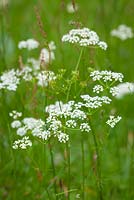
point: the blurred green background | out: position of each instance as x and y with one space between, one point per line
25 174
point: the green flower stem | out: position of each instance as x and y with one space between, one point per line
68 144
76 68
99 178
44 159
78 62
104 85
53 168
83 168
69 168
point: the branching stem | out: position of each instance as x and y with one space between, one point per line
76 69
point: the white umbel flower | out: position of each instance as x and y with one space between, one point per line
44 135
45 77
9 80
31 123
22 44
29 44
112 121
63 137
25 73
71 123
124 89
78 114
16 124
114 91
123 32
21 131
84 127
106 76
55 125
14 114
84 37
95 102
60 109
103 45
22 143
98 88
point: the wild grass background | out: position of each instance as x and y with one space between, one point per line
27 174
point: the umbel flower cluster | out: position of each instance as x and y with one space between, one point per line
106 80
84 37
11 79
123 32
112 121
124 89
22 143
28 44
46 54
63 117
32 70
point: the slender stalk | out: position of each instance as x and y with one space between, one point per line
76 68
69 168
53 168
68 144
78 62
44 159
83 168
99 178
